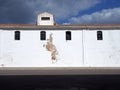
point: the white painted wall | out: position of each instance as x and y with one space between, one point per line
45 22
1 42
102 53
84 50
29 51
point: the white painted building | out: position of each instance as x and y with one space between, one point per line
47 48
45 19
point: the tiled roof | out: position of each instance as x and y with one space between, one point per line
62 25
57 26
17 25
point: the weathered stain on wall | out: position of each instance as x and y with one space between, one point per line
51 48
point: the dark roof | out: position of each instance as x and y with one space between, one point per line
60 27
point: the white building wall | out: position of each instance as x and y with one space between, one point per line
45 22
6 48
29 51
102 53
84 50
1 43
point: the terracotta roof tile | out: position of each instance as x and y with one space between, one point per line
17 25
62 24
58 26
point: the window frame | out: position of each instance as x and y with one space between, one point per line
99 35
45 18
17 35
68 35
42 35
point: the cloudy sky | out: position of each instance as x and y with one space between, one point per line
65 11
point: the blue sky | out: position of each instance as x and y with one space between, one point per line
65 11
104 4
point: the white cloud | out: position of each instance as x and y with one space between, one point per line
62 9
109 16
25 11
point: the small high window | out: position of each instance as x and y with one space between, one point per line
99 35
42 35
17 35
68 35
45 18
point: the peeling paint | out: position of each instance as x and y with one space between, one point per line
51 48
